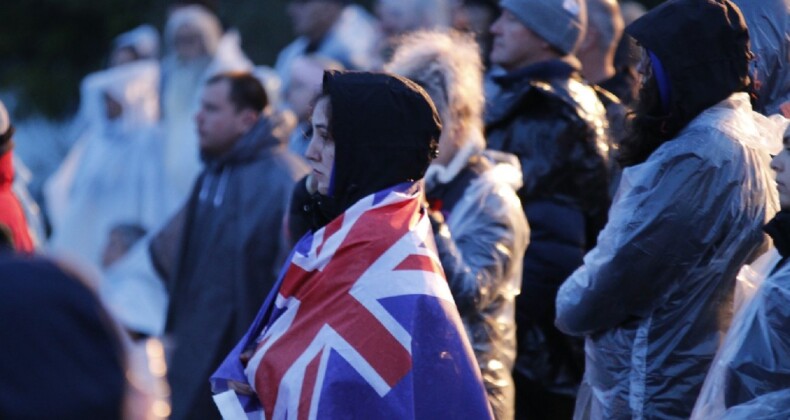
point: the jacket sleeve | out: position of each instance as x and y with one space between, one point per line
477 261
165 246
665 214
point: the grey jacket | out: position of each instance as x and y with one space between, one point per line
219 258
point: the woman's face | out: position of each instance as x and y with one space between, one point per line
781 164
321 151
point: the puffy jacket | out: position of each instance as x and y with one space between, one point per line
652 297
480 247
556 125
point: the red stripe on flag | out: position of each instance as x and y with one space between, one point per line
419 262
308 387
330 230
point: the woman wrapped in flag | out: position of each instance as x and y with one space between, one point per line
362 323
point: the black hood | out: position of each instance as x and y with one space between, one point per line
703 46
386 131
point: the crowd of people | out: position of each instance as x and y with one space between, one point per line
523 209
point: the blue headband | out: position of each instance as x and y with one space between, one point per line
662 80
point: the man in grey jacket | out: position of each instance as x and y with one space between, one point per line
219 255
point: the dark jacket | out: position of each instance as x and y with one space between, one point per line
553 121
228 247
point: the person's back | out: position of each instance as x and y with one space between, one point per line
335 29
653 296
219 255
553 121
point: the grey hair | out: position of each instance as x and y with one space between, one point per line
199 17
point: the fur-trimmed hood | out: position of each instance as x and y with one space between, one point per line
448 67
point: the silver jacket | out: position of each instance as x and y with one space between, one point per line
481 248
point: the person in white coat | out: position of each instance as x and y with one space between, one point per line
114 173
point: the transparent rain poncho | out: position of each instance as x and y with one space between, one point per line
769 32
750 376
114 173
653 296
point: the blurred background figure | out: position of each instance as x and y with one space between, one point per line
400 17
119 241
114 173
335 29
307 72
12 213
625 84
192 36
769 32
601 37
478 223
596 54
476 16
141 43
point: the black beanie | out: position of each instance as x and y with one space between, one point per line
386 131
703 45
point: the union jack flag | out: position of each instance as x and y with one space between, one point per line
361 325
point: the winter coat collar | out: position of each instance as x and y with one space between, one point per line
257 141
473 145
558 68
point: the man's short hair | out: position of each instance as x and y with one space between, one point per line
246 91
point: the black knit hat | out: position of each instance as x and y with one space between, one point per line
385 129
703 46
